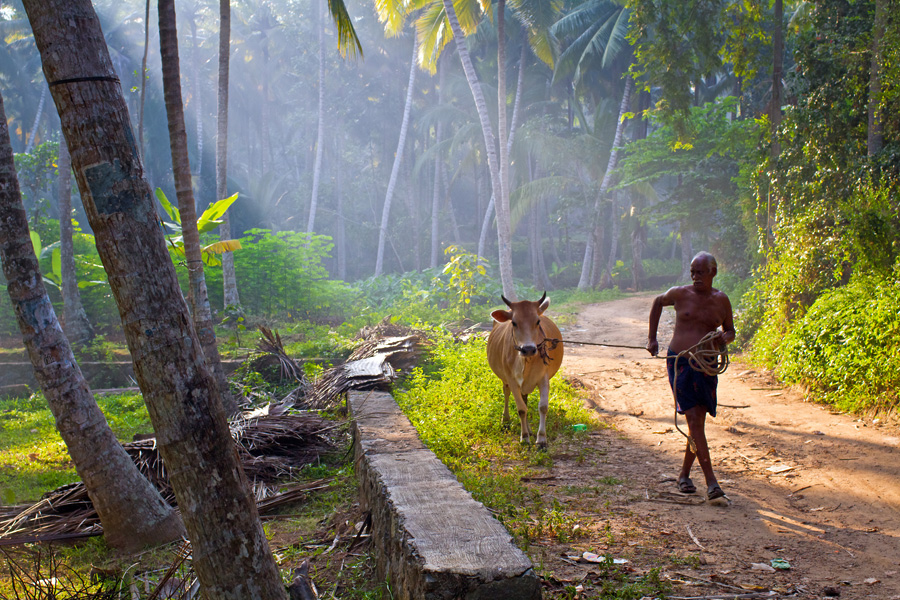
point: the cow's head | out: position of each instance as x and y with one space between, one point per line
525 317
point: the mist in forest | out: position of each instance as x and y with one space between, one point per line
556 163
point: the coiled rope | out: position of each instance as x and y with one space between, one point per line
706 358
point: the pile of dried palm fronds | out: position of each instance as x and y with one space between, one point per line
271 356
372 365
270 446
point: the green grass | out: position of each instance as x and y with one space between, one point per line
33 457
456 404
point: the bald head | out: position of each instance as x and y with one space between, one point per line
707 258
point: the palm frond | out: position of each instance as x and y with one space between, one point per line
392 14
543 44
434 33
348 41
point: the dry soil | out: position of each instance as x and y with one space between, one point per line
816 488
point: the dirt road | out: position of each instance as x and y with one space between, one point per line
818 489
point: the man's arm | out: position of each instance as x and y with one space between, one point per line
667 299
727 335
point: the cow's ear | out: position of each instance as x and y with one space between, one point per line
501 316
543 306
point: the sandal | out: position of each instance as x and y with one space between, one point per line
686 486
717 497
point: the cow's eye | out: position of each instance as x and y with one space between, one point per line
514 324
538 324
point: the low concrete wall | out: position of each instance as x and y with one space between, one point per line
432 539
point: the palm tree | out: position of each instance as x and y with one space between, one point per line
461 18
231 555
398 158
320 135
230 290
132 512
77 326
201 311
597 32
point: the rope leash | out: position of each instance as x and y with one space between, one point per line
705 358
702 356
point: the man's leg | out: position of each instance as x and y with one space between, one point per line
696 420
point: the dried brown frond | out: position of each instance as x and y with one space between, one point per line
373 364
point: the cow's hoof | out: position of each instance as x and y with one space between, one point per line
542 446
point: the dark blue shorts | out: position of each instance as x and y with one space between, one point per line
693 387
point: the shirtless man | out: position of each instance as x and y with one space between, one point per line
699 310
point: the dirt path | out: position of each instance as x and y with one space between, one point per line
818 489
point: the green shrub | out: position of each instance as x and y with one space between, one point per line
845 347
281 275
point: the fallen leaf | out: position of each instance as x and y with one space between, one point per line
780 469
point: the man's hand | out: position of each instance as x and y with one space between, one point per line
653 347
720 339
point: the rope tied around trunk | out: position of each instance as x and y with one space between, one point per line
705 358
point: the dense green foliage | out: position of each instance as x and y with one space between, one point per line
828 217
845 346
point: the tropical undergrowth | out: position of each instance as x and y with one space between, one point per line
844 348
456 403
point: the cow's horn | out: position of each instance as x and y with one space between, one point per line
544 297
505 301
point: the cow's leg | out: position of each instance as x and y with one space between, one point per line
527 424
543 407
522 408
505 422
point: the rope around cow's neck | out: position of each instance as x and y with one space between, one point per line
706 358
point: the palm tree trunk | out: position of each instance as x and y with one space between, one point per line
144 77
876 128
513 127
687 252
436 194
398 157
637 252
520 85
485 226
503 206
446 180
132 512
616 228
503 219
77 326
231 555
229 277
340 237
265 147
37 121
320 137
584 280
198 102
201 311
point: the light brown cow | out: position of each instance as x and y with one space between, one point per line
524 350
